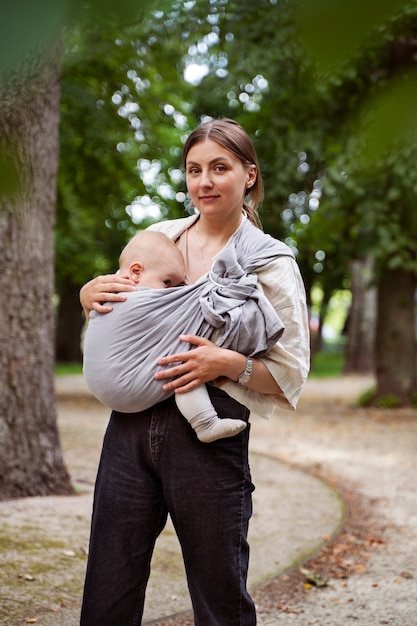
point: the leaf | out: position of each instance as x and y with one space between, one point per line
69 553
343 26
313 578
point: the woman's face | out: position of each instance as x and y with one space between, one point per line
216 179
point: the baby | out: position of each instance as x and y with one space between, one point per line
113 365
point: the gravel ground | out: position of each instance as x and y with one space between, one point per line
371 457
367 575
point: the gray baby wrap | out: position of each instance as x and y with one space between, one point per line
121 348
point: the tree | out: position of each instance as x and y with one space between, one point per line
30 456
371 177
30 459
361 322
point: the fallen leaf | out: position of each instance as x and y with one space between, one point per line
288 609
26 576
313 578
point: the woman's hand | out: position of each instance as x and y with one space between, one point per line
199 365
207 362
108 288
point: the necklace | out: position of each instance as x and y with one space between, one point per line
217 246
200 245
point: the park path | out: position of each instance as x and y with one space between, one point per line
295 512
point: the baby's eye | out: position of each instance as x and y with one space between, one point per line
167 283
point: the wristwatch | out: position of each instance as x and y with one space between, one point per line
245 376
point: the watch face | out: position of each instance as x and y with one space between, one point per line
244 378
246 375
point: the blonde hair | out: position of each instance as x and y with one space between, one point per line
233 137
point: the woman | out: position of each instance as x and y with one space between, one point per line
152 463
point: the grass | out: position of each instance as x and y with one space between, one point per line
64 369
327 363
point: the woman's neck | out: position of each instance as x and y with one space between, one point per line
217 231
203 240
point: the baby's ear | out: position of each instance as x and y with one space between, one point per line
135 270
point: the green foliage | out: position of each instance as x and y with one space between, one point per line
26 29
68 369
126 108
29 26
327 364
388 401
367 398
346 28
364 71
125 88
107 108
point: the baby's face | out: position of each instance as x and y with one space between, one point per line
158 279
171 274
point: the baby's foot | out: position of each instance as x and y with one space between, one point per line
219 429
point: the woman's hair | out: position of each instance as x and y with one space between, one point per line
233 137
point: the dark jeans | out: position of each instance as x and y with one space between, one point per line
153 464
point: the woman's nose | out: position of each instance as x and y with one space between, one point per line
205 180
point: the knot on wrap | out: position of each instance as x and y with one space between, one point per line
252 328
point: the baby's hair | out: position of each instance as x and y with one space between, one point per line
146 244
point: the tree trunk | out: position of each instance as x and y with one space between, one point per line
69 325
361 328
31 462
396 348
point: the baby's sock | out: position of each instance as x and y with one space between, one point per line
209 427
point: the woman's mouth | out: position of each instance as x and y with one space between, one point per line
208 198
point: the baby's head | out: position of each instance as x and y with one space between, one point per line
153 260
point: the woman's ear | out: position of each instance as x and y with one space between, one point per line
135 270
252 175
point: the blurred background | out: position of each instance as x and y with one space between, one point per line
96 103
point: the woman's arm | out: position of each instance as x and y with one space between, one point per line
206 362
104 289
289 360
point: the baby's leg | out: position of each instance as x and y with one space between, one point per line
198 410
